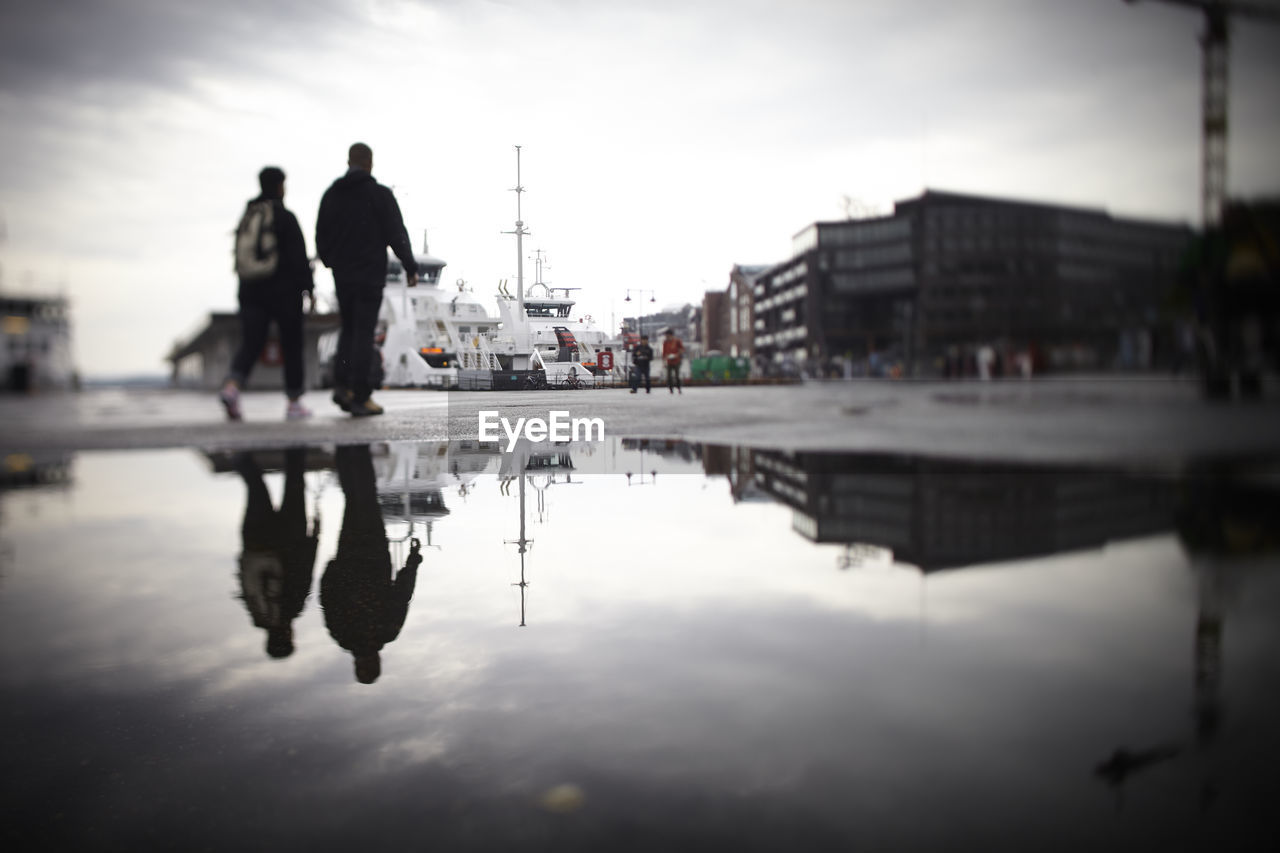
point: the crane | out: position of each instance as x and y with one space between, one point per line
1214 51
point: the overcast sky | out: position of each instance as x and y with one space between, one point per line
663 141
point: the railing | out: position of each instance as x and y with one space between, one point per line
476 355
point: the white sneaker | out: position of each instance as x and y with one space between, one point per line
296 411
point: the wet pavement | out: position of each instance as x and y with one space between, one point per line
637 644
1119 420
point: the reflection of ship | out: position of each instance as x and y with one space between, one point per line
413 475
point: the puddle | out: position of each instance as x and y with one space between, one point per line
649 645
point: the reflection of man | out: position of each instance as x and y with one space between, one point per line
278 553
364 601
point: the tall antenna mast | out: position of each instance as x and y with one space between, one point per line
520 232
540 264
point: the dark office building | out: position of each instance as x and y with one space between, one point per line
944 272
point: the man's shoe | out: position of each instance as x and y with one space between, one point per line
229 396
343 399
633 390
365 409
296 411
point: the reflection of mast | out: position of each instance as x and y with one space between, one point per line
523 544
552 480
653 475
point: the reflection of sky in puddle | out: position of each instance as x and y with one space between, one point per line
699 669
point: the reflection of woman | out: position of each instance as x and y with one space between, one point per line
278 553
365 603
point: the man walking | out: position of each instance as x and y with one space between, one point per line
274 273
672 355
358 220
641 355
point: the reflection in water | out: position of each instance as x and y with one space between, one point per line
279 553
745 695
941 513
365 602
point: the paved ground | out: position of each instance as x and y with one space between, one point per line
1144 420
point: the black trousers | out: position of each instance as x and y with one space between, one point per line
640 371
359 302
264 526
257 313
673 376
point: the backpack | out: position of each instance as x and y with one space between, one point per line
256 252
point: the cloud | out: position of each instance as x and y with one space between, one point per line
686 137
51 48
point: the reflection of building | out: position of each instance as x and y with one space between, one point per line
940 514
667 448
943 270
204 360
35 343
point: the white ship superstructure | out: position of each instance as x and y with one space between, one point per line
35 343
436 336
429 330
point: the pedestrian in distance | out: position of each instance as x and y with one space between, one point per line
358 220
641 356
275 274
672 356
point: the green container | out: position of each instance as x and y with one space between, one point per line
720 368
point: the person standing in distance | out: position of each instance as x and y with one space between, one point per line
274 273
358 220
672 355
641 355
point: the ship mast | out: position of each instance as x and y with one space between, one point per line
520 232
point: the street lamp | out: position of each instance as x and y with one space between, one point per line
639 322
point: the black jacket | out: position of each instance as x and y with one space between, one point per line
642 354
293 271
358 220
